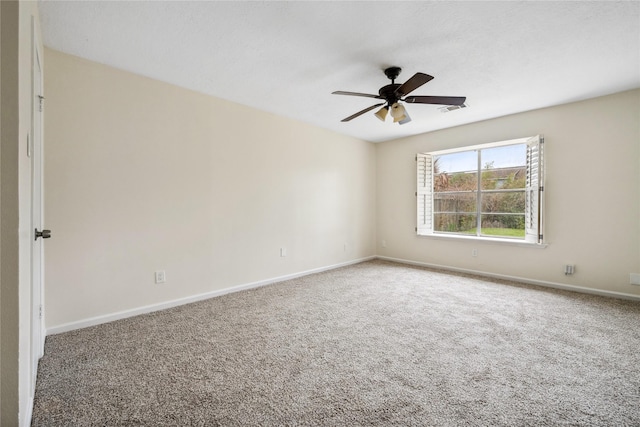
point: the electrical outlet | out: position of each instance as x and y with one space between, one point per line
283 252
634 278
384 243
474 252
161 276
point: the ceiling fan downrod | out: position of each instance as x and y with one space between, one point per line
388 92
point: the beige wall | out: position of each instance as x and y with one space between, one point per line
143 176
592 196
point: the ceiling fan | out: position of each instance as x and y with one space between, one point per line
395 93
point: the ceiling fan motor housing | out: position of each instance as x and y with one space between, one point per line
388 92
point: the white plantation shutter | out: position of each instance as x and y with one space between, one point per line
533 190
424 193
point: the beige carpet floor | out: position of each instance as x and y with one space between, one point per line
376 343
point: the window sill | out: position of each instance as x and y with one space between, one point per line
494 240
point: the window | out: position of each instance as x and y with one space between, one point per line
489 191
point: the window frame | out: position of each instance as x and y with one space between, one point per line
534 192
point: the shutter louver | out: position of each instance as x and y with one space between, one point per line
424 194
533 190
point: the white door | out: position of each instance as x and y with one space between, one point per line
35 150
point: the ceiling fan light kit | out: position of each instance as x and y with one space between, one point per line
382 113
404 119
395 93
399 113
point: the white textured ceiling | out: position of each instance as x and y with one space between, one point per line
287 57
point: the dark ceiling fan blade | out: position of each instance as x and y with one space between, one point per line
368 95
443 100
413 83
359 113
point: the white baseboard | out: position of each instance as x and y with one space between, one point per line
92 321
186 300
547 284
